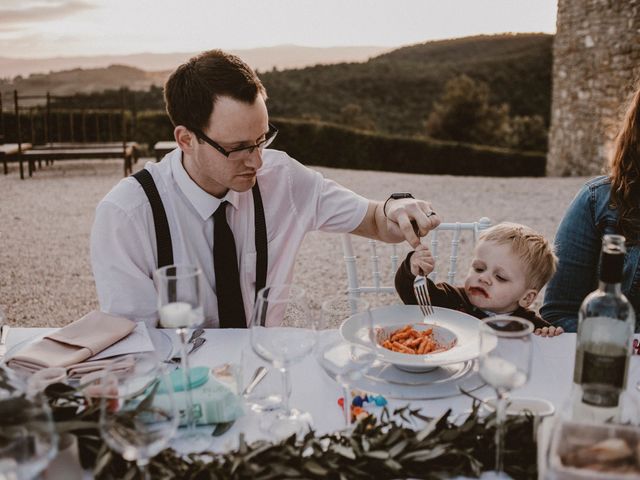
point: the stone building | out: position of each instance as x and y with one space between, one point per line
596 66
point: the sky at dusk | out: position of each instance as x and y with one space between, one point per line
46 28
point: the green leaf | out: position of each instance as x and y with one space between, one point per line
424 455
379 454
315 468
344 451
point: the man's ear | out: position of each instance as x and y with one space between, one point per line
527 298
184 138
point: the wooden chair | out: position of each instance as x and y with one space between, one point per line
455 230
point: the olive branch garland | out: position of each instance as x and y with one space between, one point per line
400 443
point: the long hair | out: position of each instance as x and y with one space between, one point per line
624 172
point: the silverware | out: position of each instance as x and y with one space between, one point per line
258 375
422 294
196 333
196 345
4 331
221 428
196 340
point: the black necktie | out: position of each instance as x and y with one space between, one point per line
225 264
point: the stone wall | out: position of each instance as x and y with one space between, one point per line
596 65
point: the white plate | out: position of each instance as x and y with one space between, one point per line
384 379
465 328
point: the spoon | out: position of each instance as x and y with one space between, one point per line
258 375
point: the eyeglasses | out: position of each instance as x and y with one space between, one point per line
242 152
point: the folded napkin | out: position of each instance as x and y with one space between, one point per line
73 344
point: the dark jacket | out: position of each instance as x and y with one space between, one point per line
448 296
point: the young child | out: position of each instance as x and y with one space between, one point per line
511 263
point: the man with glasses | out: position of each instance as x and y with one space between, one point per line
224 202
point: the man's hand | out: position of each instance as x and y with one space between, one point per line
422 262
411 219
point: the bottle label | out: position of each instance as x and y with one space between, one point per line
604 369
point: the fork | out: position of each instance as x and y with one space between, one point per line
195 345
422 294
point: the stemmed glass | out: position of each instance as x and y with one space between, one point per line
138 414
284 304
28 441
505 362
340 359
180 292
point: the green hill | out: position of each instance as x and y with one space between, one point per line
391 93
397 90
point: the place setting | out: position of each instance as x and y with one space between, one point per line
397 371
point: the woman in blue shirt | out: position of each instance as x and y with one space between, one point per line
606 204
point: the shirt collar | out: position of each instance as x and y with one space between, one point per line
204 203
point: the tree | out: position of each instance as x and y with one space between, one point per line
464 114
528 133
352 116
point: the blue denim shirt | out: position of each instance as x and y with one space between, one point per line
578 242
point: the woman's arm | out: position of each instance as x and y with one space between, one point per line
577 246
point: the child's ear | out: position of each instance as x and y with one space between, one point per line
527 298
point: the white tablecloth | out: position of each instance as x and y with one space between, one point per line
314 391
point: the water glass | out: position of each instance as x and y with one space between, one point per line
28 441
282 347
345 361
138 414
180 305
505 363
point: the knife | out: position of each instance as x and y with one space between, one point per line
4 331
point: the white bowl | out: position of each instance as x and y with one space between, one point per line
465 329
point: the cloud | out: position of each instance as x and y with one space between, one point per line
38 11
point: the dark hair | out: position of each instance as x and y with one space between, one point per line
625 172
192 89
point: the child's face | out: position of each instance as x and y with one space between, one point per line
496 281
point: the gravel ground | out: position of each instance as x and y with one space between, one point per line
45 221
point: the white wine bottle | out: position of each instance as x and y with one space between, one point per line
606 321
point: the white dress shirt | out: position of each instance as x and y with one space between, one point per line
123 239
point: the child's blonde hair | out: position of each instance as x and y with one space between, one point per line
532 248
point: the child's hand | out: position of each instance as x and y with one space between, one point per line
422 262
548 331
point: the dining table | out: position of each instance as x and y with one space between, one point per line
314 391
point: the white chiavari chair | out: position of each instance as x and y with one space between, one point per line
381 279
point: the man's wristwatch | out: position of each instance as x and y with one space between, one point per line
395 196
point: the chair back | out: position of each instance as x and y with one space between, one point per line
380 285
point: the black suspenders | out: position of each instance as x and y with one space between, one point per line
163 234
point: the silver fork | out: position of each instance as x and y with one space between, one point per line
422 294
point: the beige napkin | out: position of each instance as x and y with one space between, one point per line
74 343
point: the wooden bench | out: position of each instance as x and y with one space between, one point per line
162 148
80 151
9 153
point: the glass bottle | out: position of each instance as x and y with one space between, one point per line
606 322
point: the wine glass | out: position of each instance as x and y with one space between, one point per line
346 361
138 414
28 440
180 290
505 362
284 304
